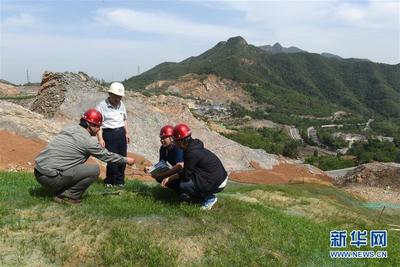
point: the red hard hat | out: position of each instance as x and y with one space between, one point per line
181 131
94 116
167 131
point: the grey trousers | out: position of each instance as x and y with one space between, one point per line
72 182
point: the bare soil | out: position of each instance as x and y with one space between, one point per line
18 153
373 194
282 173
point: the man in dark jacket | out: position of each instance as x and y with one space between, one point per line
203 174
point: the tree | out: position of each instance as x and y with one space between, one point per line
291 149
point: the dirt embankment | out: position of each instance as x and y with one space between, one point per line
18 153
8 89
282 173
376 174
209 88
375 182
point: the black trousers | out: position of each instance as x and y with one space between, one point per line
115 140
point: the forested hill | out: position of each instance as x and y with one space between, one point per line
298 83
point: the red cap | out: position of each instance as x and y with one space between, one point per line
167 131
94 116
181 131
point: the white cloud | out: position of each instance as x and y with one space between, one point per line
107 58
34 41
348 28
350 14
374 14
369 13
161 23
280 12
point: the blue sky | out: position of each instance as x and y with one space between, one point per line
110 39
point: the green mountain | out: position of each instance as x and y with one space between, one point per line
278 48
295 83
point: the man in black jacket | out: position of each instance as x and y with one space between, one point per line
203 174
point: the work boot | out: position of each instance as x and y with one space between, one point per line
62 199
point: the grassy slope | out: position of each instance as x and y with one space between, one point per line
147 226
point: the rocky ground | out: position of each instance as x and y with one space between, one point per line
63 97
208 88
374 194
376 174
376 182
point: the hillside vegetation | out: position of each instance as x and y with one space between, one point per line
299 83
146 225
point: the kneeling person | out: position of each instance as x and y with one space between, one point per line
60 166
170 153
203 174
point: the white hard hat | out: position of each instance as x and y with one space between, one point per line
117 89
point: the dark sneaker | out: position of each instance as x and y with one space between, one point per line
108 185
66 200
208 203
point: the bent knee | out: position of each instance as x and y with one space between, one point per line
94 171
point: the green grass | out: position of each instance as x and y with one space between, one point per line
146 225
273 141
329 162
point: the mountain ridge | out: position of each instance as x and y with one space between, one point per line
295 83
278 48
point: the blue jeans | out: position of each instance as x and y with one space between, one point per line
188 187
115 140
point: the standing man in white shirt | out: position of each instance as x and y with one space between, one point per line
114 133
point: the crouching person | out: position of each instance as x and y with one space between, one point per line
170 153
60 166
203 174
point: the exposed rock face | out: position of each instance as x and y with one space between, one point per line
146 115
210 88
56 88
65 96
50 96
375 174
15 118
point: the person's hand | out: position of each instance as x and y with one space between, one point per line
165 182
128 139
130 161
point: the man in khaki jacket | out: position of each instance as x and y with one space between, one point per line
60 166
